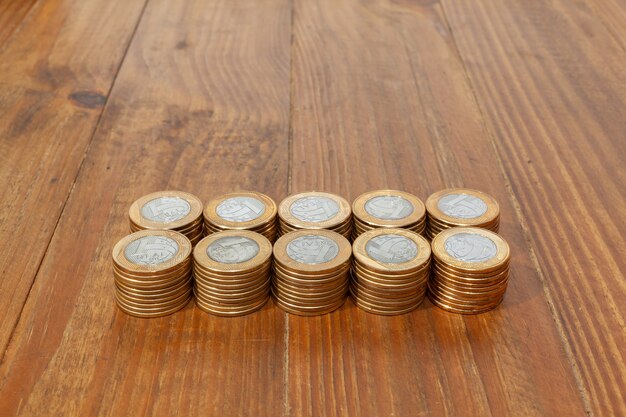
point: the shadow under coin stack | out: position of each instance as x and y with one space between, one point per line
461 207
315 210
242 211
470 270
311 271
232 272
387 209
152 271
168 210
390 271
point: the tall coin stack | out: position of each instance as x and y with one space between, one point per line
232 272
470 270
461 207
315 210
152 272
311 271
386 209
244 210
390 271
168 210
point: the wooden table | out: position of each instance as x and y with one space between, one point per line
102 101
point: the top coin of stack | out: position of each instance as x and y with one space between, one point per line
387 209
470 270
244 210
168 210
461 207
315 210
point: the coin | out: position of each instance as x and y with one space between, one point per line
315 210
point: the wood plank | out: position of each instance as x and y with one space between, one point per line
12 14
56 73
551 83
201 103
613 14
381 100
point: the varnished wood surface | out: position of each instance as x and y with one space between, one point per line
101 102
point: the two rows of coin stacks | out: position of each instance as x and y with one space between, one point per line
234 253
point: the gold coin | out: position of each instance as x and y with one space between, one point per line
461 207
151 252
470 249
165 210
243 210
391 250
312 251
314 210
388 208
232 251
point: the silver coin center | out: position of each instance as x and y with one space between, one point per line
312 249
240 209
391 249
463 206
389 207
233 249
470 247
166 209
314 209
151 250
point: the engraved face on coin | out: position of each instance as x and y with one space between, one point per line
240 209
165 209
151 250
314 209
463 206
312 250
391 249
233 249
389 207
470 247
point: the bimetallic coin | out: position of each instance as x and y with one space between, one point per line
240 209
391 248
170 210
316 210
389 207
151 250
470 249
463 206
312 249
245 210
233 249
165 209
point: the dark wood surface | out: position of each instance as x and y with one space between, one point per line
104 101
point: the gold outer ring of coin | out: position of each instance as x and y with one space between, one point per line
286 297
123 264
389 304
153 292
154 286
450 309
141 304
465 302
152 312
303 310
440 224
268 229
233 293
268 215
141 276
310 293
343 216
380 312
383 285
466 295
389 292
376 298
343 229
398 275
343 255
195 212
470 287
229 301
360 254
202 258
308 276
215 308
493 210
184 229
441 255
477 276
417 215
232 278
463 308
217 286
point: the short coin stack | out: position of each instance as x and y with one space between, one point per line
390 271
152 271
315 210
461 207
311 271
168 210
388 208
232 272
470 270
244 210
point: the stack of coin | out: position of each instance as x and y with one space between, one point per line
386 209
311 271
470 270
241 211
461 207
315 210
168 210
390 271
152 271
232 272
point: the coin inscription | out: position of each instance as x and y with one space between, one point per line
165 209
233 249
312 249
463 206
391 249
470 247
151 250
389 207
314 209
240 209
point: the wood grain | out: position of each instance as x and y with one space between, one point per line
554 98
384 102
613 14
201 104
56 73
12 14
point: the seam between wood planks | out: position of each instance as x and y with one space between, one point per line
78 172
525 229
